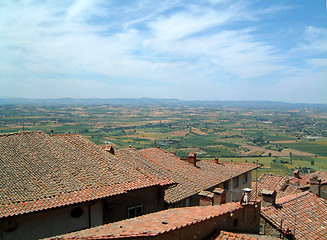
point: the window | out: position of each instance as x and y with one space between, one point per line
226 185
236 181
76 212
245 178
135 211
188 202
9 226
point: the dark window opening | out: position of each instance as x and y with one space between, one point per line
245 178
236 181
135 211
226 185
76 212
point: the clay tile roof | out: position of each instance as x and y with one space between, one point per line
218 190
304 180
206 194
191 180
39 172
304 211
280 184
153 224
267 192
241 236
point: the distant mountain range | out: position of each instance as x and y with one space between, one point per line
152 101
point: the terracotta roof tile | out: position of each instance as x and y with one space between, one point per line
272 182
39 172
153 224
304 179
191 180
305 212
242 236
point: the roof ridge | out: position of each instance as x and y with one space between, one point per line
291 197
18 133
65 134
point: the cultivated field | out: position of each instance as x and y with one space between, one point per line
280 139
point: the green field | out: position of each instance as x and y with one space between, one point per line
240 133
308 147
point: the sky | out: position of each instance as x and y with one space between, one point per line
183 49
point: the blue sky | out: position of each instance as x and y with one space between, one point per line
184 49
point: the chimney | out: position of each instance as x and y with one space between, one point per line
246 196
296 173
192 158
315 185
219 196
268 197
110 149
216 160
206 198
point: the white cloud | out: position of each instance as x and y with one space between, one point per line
175 43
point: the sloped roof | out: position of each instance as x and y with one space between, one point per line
153 224
242 236
304 180
39 172
272 182
191 180
304 211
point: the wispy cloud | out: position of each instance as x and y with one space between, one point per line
151 47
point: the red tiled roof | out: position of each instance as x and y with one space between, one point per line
241 236
39 172
191 180
153 224
233 236
304 211
304 179
272 182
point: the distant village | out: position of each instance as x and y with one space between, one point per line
63 186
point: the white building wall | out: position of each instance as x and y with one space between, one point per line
235 193
53 222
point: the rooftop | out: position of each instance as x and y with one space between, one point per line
153 224
280 184
242 236
304 180
192 180
40 172
305 213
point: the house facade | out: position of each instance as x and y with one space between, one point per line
194 175
56 184
178 223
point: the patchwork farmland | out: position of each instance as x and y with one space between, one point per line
280 139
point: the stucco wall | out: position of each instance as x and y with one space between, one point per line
59 220
235 193
116 208
247 218
53 222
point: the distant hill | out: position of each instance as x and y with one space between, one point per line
152 101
